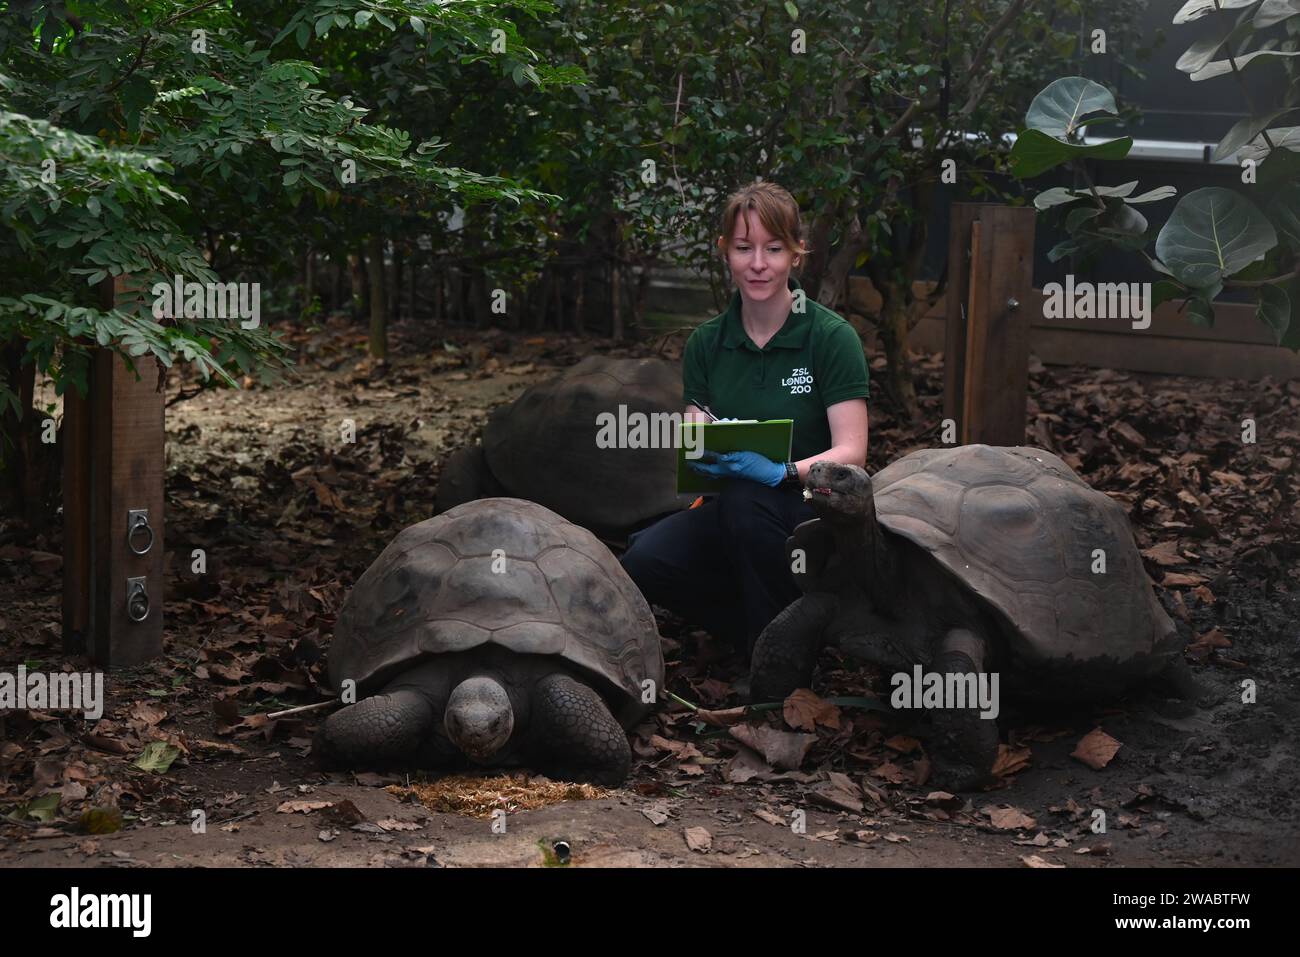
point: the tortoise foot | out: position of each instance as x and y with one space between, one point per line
962 745
577 738
381 730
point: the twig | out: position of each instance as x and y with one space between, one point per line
302 708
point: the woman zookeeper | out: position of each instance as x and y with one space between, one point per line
772 355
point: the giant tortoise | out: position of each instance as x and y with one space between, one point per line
497 632
970 560
544 447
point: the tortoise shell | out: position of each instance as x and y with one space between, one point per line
543 446
506 572
1019 528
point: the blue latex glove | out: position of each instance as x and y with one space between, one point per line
744 465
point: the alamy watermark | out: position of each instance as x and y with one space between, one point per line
648 430
935 690
1103 300
76 910
208 300
54 691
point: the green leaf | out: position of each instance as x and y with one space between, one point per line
1059 108
1122 190
101 820
41 809
1275 11
1275 310
1078 217
302 35
417 25
92 205
1056 196
1201 312
792 10
1124 220
1154 195
1221 67
1212 233
1286 214
1202 51
1035 152
157 755
362 17
1245 130
1195 9
1072 247
1282 138
1165 290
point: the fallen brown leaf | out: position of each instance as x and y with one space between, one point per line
1095 749
804 710
784 750
698 839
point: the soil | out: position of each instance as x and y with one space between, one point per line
289 514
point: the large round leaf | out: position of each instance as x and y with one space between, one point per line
1035 152
1059 110
1213 233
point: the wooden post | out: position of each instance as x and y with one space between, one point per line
986 352
76 521
113 511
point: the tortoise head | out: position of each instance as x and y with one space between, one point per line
840 494
478 717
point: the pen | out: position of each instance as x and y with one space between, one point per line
709 412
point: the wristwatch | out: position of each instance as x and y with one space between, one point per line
792 475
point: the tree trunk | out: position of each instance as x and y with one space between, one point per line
378 303
835 280
30 472
557 303
357 276
815 267
308 278
642 296
336 283
616 301
413 269
395 303
893 328
539 305
580 282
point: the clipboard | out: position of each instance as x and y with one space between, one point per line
770 437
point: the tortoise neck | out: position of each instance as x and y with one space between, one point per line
865 542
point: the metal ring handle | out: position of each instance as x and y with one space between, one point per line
138 521
137 601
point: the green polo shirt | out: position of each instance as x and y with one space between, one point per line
815 360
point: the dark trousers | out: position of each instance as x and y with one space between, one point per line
722 566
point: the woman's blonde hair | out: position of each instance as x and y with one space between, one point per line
777 211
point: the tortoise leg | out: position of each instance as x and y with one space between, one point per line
574 735
1177 681
963 745
384 729
786 652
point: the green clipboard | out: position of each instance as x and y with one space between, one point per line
771 437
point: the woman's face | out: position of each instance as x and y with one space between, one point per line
760 263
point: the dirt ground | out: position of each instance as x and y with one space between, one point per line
289 514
